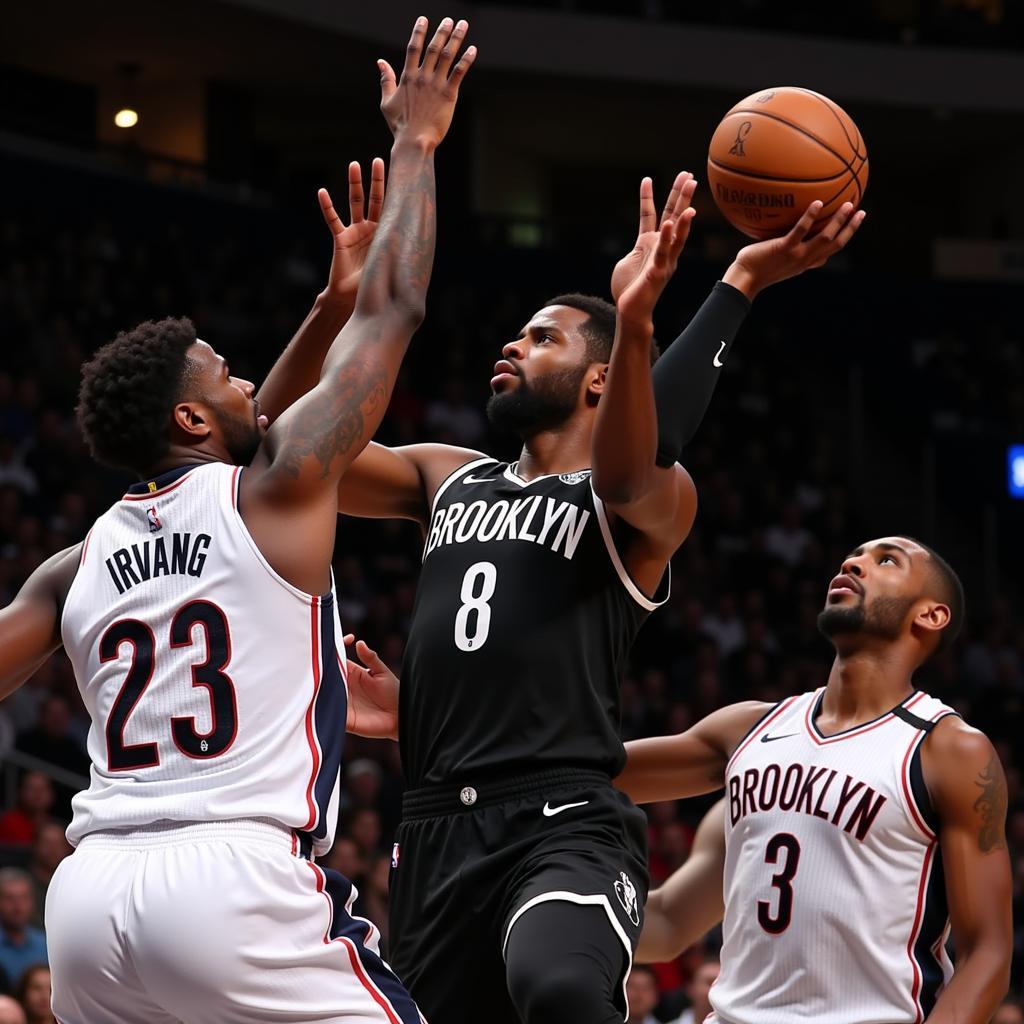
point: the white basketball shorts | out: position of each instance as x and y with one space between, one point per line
212 923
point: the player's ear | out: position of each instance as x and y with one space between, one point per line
596 376
932 617
190 422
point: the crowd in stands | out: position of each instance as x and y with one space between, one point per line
778 511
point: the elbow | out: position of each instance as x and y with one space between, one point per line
405 306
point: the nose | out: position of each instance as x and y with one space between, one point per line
247 386
852 567
513 350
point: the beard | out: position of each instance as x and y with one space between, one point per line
530 408
884 618
242 438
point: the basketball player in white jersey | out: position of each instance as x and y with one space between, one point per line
200 620
863 820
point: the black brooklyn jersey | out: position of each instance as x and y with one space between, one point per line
523 620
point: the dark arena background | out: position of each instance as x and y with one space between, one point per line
882 394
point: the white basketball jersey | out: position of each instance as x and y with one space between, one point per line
834 892
216 689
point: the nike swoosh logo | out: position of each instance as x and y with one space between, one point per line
716 361
771 739
550 812
474 480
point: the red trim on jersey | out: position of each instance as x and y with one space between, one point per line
759 728
357 966
295 844
234 487
857 730
314 748
85 548
922 887
163 490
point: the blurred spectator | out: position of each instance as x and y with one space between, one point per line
21 945
1010 1011
642 994
51 846
51 740
20 825
787 539
698 991
34 993
11 1011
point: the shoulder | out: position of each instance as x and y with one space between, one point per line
728 727
952 740
961 769
54 577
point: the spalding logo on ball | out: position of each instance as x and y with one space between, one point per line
776 152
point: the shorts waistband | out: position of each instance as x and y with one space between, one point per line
173 833
452 798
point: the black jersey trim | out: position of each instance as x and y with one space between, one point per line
664 586
820 738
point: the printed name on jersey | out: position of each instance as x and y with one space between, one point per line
538 519
806 790
150 559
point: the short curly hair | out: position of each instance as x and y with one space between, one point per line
598 329
128 390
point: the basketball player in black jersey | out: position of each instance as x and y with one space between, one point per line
519 873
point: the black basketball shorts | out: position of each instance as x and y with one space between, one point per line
469 861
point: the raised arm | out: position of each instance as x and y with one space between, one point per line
659 502
297 370
30 624
292 484
968 790
691 901
686 374
690 763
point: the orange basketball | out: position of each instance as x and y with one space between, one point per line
776 152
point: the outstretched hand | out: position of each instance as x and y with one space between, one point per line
419 105
640 277
766 263
352 241
372 695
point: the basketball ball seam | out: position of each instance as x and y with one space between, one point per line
803 131
830 106
770 177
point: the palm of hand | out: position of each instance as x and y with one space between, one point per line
373 702
351 247
631 267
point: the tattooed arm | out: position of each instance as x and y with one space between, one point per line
289 496
968 790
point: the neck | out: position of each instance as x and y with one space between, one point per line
867 682
177 457
562 449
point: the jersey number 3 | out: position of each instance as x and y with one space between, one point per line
209 673
475 610
777 923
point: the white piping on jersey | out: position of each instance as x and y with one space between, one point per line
596 900
916 813
634 591
822 740
456 474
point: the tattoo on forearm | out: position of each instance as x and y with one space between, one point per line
991 806
329 428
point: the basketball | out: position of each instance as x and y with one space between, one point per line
776 152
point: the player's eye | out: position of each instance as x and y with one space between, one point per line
887 558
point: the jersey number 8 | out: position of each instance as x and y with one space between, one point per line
475 603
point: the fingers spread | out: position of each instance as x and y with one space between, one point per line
414 49
355 192
685 197
376 190
388 85
327 209
460 69
799 231
451 48
648 216
434 47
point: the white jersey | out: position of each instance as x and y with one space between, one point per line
216 689
834 892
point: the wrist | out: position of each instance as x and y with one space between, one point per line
634 327
407 143
743 280
335 302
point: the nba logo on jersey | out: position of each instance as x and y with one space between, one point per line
154 520
395 854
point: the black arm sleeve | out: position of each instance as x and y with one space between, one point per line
685 376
